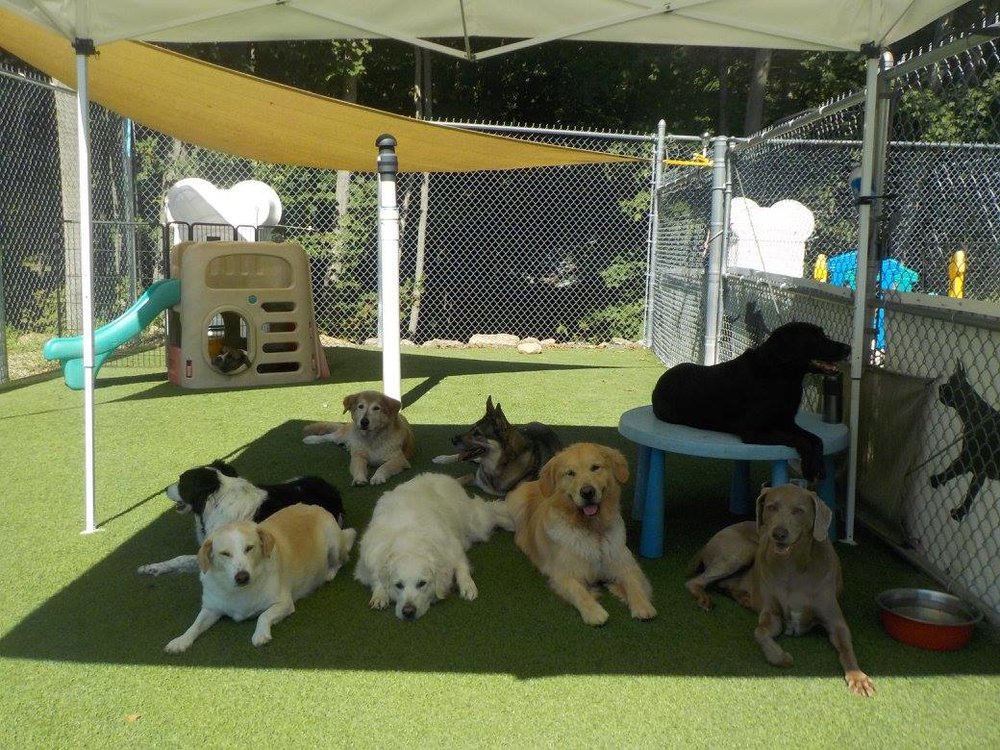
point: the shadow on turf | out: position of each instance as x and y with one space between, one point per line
517 625
352 365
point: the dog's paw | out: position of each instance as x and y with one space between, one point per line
314 439
596 615
260 637
359 481
859 683
643 610
178 645
443 459
379 477
779 657
151 569
468 590
378 601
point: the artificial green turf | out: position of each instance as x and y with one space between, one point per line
81 635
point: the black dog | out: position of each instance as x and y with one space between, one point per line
980 438
217 495
757 395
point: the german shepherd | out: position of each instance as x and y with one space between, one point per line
506 455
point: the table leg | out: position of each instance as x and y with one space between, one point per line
828 492
739 489
651 536
641 480
779 473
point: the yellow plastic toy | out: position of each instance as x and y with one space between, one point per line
956 275
245 317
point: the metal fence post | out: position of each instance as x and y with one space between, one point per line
716 249
654 228
4 372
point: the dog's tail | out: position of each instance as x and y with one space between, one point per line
694 565
320 428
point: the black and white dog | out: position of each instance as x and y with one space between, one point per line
217 495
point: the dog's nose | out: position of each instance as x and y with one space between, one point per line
779 534
588 493
409 611
364 423
242 578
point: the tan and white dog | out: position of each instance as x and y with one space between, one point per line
250 569
377 435
570 526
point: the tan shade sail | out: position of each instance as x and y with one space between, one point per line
230 112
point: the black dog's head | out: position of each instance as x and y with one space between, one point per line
804 347
195 486
485 435
955 391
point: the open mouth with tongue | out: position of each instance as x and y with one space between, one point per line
830 368
590 509
781 549
470 452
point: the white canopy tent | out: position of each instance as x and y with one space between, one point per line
847 25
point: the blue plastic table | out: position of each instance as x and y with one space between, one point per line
655 438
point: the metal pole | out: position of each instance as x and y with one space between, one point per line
716 249
84 48
867 211
654 228
388 253
4 373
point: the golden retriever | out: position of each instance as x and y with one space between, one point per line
569 524
377 435
785 568
252 569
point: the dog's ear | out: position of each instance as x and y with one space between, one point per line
619 465
489 404
501 418
205 556
443 577
547 476
266 541
391 405
760 505
824 516
960 367
223 468
350 402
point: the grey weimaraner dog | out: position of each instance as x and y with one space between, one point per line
785 568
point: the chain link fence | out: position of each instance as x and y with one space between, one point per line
553 253
929 464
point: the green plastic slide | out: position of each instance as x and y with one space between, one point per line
69 350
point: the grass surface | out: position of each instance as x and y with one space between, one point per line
82 636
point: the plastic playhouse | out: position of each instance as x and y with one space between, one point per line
246 319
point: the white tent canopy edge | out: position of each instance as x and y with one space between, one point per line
849 25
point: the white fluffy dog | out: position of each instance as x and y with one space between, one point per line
415 545
250 569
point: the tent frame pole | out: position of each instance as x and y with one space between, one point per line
84 48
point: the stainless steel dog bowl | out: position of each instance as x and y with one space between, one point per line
926 618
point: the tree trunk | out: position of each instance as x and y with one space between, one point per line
336 267
755 97
723 122
422 96
69 166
